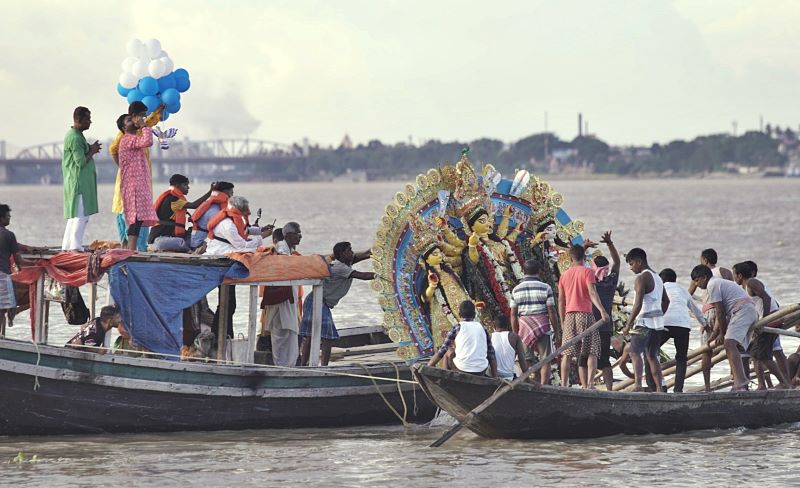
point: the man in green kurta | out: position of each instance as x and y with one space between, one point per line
80 179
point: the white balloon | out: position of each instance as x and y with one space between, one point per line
156 68
163 54
128 79
127 63
168 65
140 69
134 47
153 47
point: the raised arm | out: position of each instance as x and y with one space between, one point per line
138 141
612 251
361 256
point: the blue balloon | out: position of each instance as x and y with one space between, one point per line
182 82
174 108
122 90
134 96
171 97
148 86
166 82
151 102
181 73
164 115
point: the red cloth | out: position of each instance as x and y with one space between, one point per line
68 268
574 284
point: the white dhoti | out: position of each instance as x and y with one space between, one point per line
283 324
76 226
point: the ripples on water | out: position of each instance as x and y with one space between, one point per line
672 219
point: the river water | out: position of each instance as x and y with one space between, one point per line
673 220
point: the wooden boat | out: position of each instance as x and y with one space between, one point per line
51 390
545 412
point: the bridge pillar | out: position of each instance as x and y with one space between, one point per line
4 172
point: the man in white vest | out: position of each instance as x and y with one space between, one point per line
471 344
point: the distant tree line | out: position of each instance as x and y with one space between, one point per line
702 154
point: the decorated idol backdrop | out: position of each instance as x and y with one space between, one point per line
148 76
458 234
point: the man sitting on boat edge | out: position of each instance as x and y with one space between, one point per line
93 334
473 352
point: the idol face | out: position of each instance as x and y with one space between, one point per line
483 225
435 257
551 231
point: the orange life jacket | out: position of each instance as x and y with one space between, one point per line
220 198
229 213
179 216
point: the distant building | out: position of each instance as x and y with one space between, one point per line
346 142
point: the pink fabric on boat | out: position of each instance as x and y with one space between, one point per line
532 327
135 178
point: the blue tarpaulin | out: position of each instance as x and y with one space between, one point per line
152 296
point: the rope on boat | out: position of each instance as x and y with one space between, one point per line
386 400
397 380
36 385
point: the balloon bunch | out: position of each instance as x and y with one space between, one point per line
147 76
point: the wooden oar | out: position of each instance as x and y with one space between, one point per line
510 386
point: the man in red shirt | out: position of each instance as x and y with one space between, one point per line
577 294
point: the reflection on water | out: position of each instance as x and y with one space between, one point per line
672 219
397 456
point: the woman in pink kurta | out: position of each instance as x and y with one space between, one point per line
135 179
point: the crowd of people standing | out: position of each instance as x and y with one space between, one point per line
732 304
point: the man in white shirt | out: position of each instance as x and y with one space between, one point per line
473 348
677 323
228 231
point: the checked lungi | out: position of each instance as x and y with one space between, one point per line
328 328
8 299
532 327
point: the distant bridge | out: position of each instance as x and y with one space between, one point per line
185 148
255 159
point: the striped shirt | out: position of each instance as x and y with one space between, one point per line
532 296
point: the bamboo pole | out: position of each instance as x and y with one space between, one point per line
719 357
691 355
773 330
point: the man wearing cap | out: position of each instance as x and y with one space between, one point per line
171 233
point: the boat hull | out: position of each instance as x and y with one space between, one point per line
61 391
545 412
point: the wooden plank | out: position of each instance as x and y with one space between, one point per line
341 352
316 326
252 324
39 324
93 300
345 331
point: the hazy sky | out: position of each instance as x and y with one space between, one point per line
640 71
